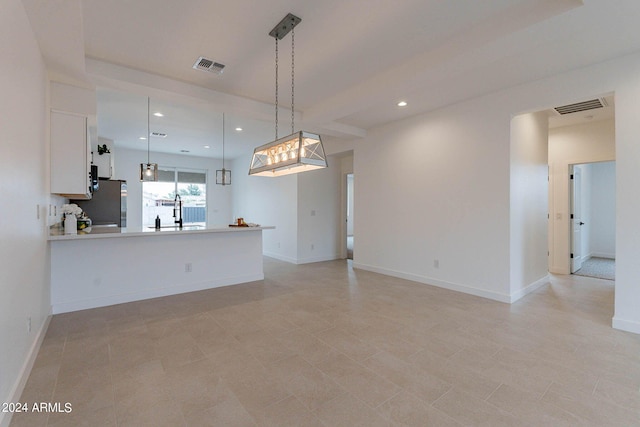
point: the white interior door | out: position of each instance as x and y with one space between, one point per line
576 218
349 215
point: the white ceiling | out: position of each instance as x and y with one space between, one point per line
355 59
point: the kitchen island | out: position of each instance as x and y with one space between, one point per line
107 266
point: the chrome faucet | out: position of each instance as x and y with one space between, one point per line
177 206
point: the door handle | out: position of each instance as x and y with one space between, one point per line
581 223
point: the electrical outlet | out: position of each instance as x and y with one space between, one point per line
187 267
436 263
312 246
313 213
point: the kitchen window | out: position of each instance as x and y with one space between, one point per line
158 198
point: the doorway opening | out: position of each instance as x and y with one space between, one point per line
592 219
349 216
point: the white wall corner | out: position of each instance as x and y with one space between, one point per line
25 371
309 260
626 325
495 296
515 296
280 257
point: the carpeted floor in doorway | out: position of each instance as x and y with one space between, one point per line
601 268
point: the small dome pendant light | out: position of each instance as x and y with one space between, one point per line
148 171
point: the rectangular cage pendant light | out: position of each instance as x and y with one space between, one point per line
223 177
148 171
299 152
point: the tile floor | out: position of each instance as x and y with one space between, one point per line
324 345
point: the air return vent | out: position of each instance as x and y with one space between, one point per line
581 106
208 65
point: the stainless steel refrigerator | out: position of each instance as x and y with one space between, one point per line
108 206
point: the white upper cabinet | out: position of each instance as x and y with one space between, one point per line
70 156
73 113
104 163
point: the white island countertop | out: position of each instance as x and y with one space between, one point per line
116 232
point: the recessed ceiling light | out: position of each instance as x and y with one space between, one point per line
239 129
158 114
402 104
206 146
143 138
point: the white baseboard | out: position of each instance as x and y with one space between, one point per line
318 259
603 255
496 296
302 260
25 370
69 306
626 325
280 257
529 288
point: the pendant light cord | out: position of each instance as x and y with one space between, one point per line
292 77
276 87
148 130
223 144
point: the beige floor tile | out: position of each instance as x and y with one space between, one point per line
256 389
288 412
307 346
539 413
405 409
177 349
421 384
41 383
310 322
519 377
264 346
508 398
459 375
469 410
86 390
158 412
103 417
323 343
626 397
347 343
590 408
29 419
308 384
387 339
346 410
361 382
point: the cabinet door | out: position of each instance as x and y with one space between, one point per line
104 164
69 154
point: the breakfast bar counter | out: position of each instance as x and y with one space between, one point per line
109 265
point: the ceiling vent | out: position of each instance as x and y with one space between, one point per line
208 65
581 106
159 134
